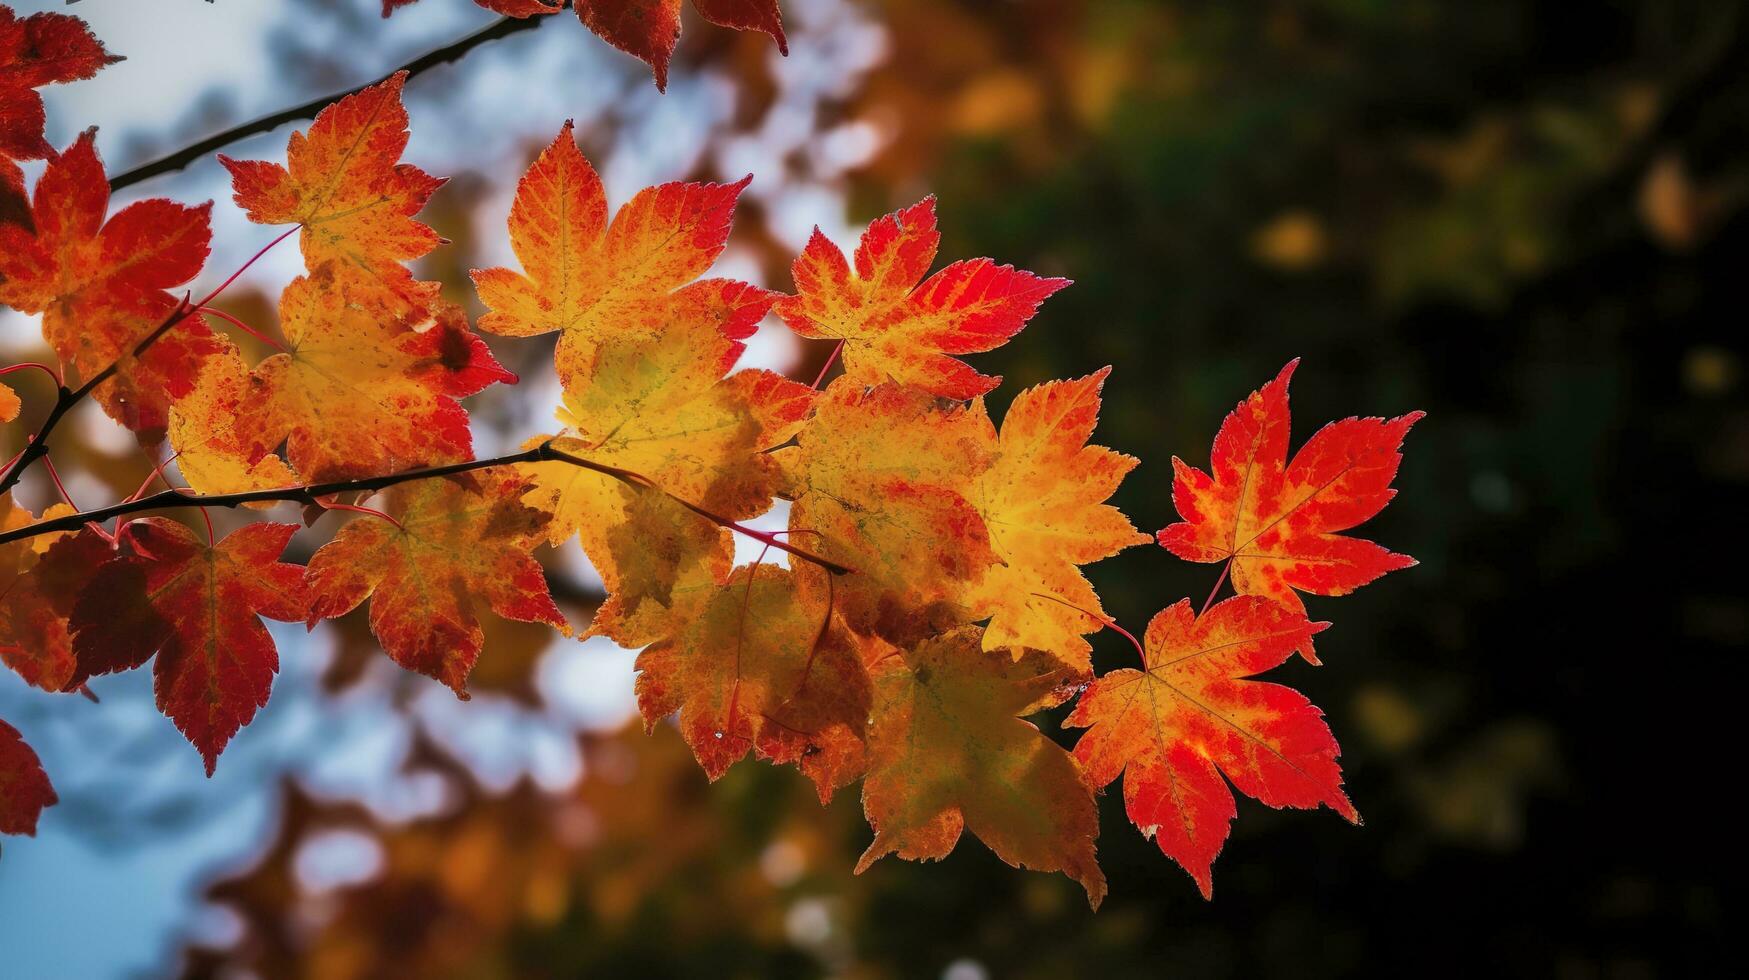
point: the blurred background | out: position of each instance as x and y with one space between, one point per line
1526 218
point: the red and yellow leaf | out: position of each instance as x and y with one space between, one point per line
1043 500
592 280
658 405
896 326
101 286
24 788
352 396
344 185
1173 729
197 607
880 481
1278 521
462 542
759 668
948 751
37 50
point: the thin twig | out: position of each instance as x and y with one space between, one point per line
312 494
503 27
65 399
1206 603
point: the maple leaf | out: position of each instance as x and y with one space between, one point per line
645 29
24 787
649 29
40 578
39 50
1042 500
101 286
1277 521
351 396
947 751
461 542
198 607
14 201
760 669
1172 729
344 184
659 406
10 406
880 479
587 278
894 329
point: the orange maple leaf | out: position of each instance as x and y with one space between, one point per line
880 481
658 405
457 542
24 787
195 606
344 185
38 50
1173 728
758 667
351 396
894 329
101 286
1043 500
948 751
1277 521
589 279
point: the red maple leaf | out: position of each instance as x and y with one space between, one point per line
1191 715
195 606
24 787
1277 521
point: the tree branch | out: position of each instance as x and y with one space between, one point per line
311 494
66 398
503 27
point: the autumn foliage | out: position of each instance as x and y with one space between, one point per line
930 596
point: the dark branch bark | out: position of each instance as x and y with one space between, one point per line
311 494
504 27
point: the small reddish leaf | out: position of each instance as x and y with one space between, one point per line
198 608
24 787
1276 520
645 29
40 579
461 542
1175 727
897 327
649 29
38 50
509 8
